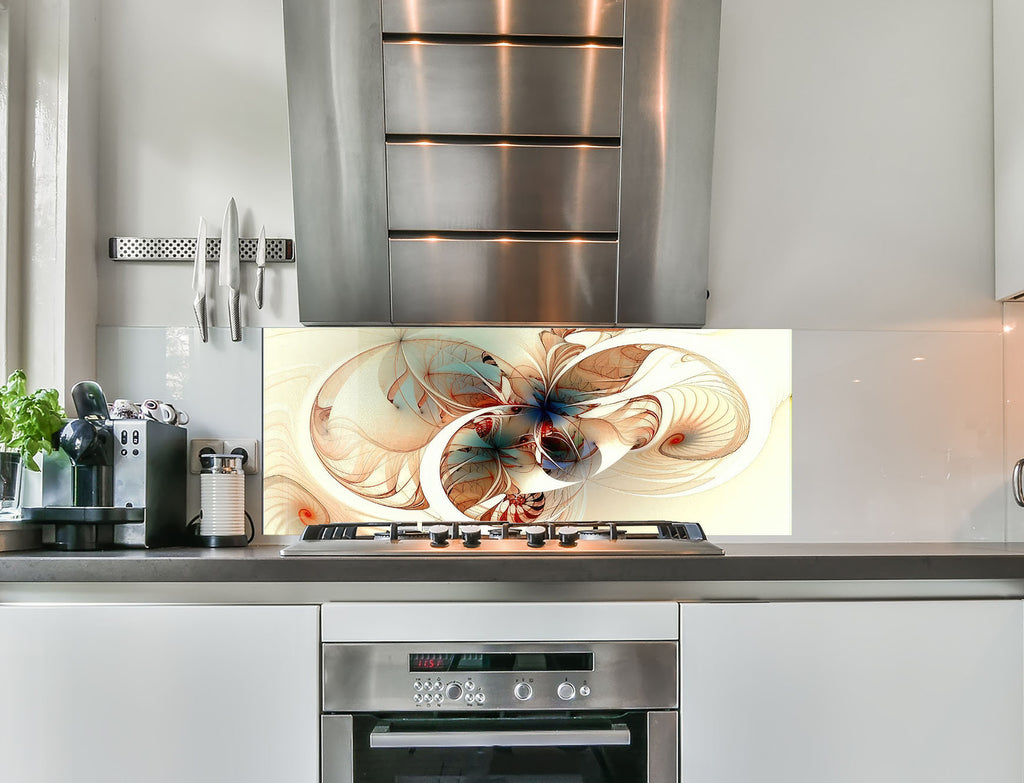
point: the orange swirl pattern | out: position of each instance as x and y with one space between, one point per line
518 435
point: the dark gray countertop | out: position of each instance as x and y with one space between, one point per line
741 563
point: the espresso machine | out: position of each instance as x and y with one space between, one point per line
113 483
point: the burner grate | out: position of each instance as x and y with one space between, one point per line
590 531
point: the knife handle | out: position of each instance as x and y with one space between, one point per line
258 294
234 319
199 306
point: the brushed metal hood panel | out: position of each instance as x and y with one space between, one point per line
497 152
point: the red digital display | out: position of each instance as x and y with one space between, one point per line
430 662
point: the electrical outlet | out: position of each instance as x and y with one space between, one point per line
199 446
248 448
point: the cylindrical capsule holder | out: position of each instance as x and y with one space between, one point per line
222 495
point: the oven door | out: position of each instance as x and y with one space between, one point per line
630 747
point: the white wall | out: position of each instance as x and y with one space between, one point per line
852 202
194 112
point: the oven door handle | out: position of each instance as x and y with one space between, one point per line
382 737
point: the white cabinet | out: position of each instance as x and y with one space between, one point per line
887 692
159 694
1008 152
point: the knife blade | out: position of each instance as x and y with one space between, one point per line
229 275
199 282
261 262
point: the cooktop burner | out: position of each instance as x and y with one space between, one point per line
455 538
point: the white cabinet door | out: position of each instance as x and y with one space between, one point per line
882 692
159 694
1008 120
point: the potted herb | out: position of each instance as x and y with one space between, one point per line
28 422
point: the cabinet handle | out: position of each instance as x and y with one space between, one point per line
1018 489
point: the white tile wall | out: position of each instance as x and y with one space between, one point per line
897 436
1013 396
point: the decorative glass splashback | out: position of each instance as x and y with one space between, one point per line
527 425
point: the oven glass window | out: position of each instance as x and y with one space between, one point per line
535 756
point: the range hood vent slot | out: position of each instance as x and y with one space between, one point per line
502 40
575 18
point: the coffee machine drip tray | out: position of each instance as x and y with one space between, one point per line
82 527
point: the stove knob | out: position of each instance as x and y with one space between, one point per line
470 535
566 691
438 535
535 535
453 691
568 535
522 691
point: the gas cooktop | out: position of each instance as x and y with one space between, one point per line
458 539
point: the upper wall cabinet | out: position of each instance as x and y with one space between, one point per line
513 161
1008 128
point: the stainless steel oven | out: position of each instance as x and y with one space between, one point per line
518 712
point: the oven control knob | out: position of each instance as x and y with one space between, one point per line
453 691
535 535
566 691
522 691
470 535
584 690
438 535
568 535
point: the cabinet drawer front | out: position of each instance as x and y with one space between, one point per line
502 89
463 281
600 18
502 187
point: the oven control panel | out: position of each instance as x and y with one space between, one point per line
535 691
440 692
478 677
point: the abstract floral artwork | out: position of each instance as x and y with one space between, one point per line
526 425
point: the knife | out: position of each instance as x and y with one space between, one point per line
229 276
261 261
199 281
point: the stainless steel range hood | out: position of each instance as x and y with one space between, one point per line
502 161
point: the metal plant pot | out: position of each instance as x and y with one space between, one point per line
11 470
